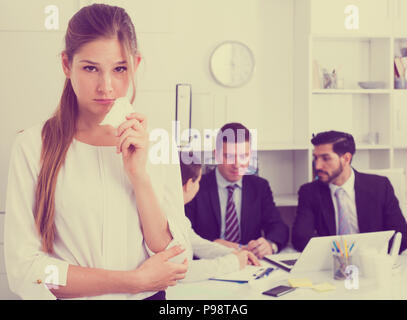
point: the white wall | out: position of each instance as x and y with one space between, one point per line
176 39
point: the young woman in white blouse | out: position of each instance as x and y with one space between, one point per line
84 216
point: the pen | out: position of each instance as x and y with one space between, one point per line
337 250
268 271
260 270
264 273
346 248
351 247
338 247
227 280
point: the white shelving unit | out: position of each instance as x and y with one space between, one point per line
348 91
377 118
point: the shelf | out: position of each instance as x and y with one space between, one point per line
286 200
366 146
370 115
351 91
263 148
281 147
349 37
187 149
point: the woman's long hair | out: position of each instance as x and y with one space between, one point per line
88 24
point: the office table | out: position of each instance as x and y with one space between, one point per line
220 290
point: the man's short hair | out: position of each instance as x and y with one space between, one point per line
233 132
191 169
342 142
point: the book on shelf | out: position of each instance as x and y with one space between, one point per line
396 73
404 62
399 67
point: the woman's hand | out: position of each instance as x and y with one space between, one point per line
133 144
157 272
246 257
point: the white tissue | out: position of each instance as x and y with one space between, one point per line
118 112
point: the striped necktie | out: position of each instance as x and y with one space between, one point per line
343 212
232 232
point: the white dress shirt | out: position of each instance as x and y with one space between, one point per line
349 188
215 259
223 198
96 216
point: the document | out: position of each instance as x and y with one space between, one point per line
246 274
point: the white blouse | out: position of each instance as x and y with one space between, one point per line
215 259
96 220
96 216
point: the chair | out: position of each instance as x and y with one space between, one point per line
397 178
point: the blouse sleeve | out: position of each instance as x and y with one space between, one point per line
204 269
204 248
28 268
166 179
215 259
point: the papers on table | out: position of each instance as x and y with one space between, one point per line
300 283
245 275
307 283
322 287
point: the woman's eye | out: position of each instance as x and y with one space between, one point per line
90 68
120 69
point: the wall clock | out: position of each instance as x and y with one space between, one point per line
232 64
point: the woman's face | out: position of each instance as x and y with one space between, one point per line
99 75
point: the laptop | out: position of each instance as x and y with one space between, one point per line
317 255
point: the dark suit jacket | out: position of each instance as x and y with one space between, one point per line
258 211
376 205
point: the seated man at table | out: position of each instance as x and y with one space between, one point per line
342 200
214 259
232 207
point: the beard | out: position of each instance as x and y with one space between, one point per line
331 176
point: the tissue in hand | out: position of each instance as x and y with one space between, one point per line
118 112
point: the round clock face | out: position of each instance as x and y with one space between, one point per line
232 64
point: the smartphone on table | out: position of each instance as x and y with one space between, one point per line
278 291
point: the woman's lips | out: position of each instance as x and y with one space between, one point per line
104 101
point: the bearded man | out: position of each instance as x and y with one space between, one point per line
342 200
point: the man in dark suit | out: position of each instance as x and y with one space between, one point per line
233 207
342 200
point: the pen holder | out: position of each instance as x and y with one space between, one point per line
339 266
